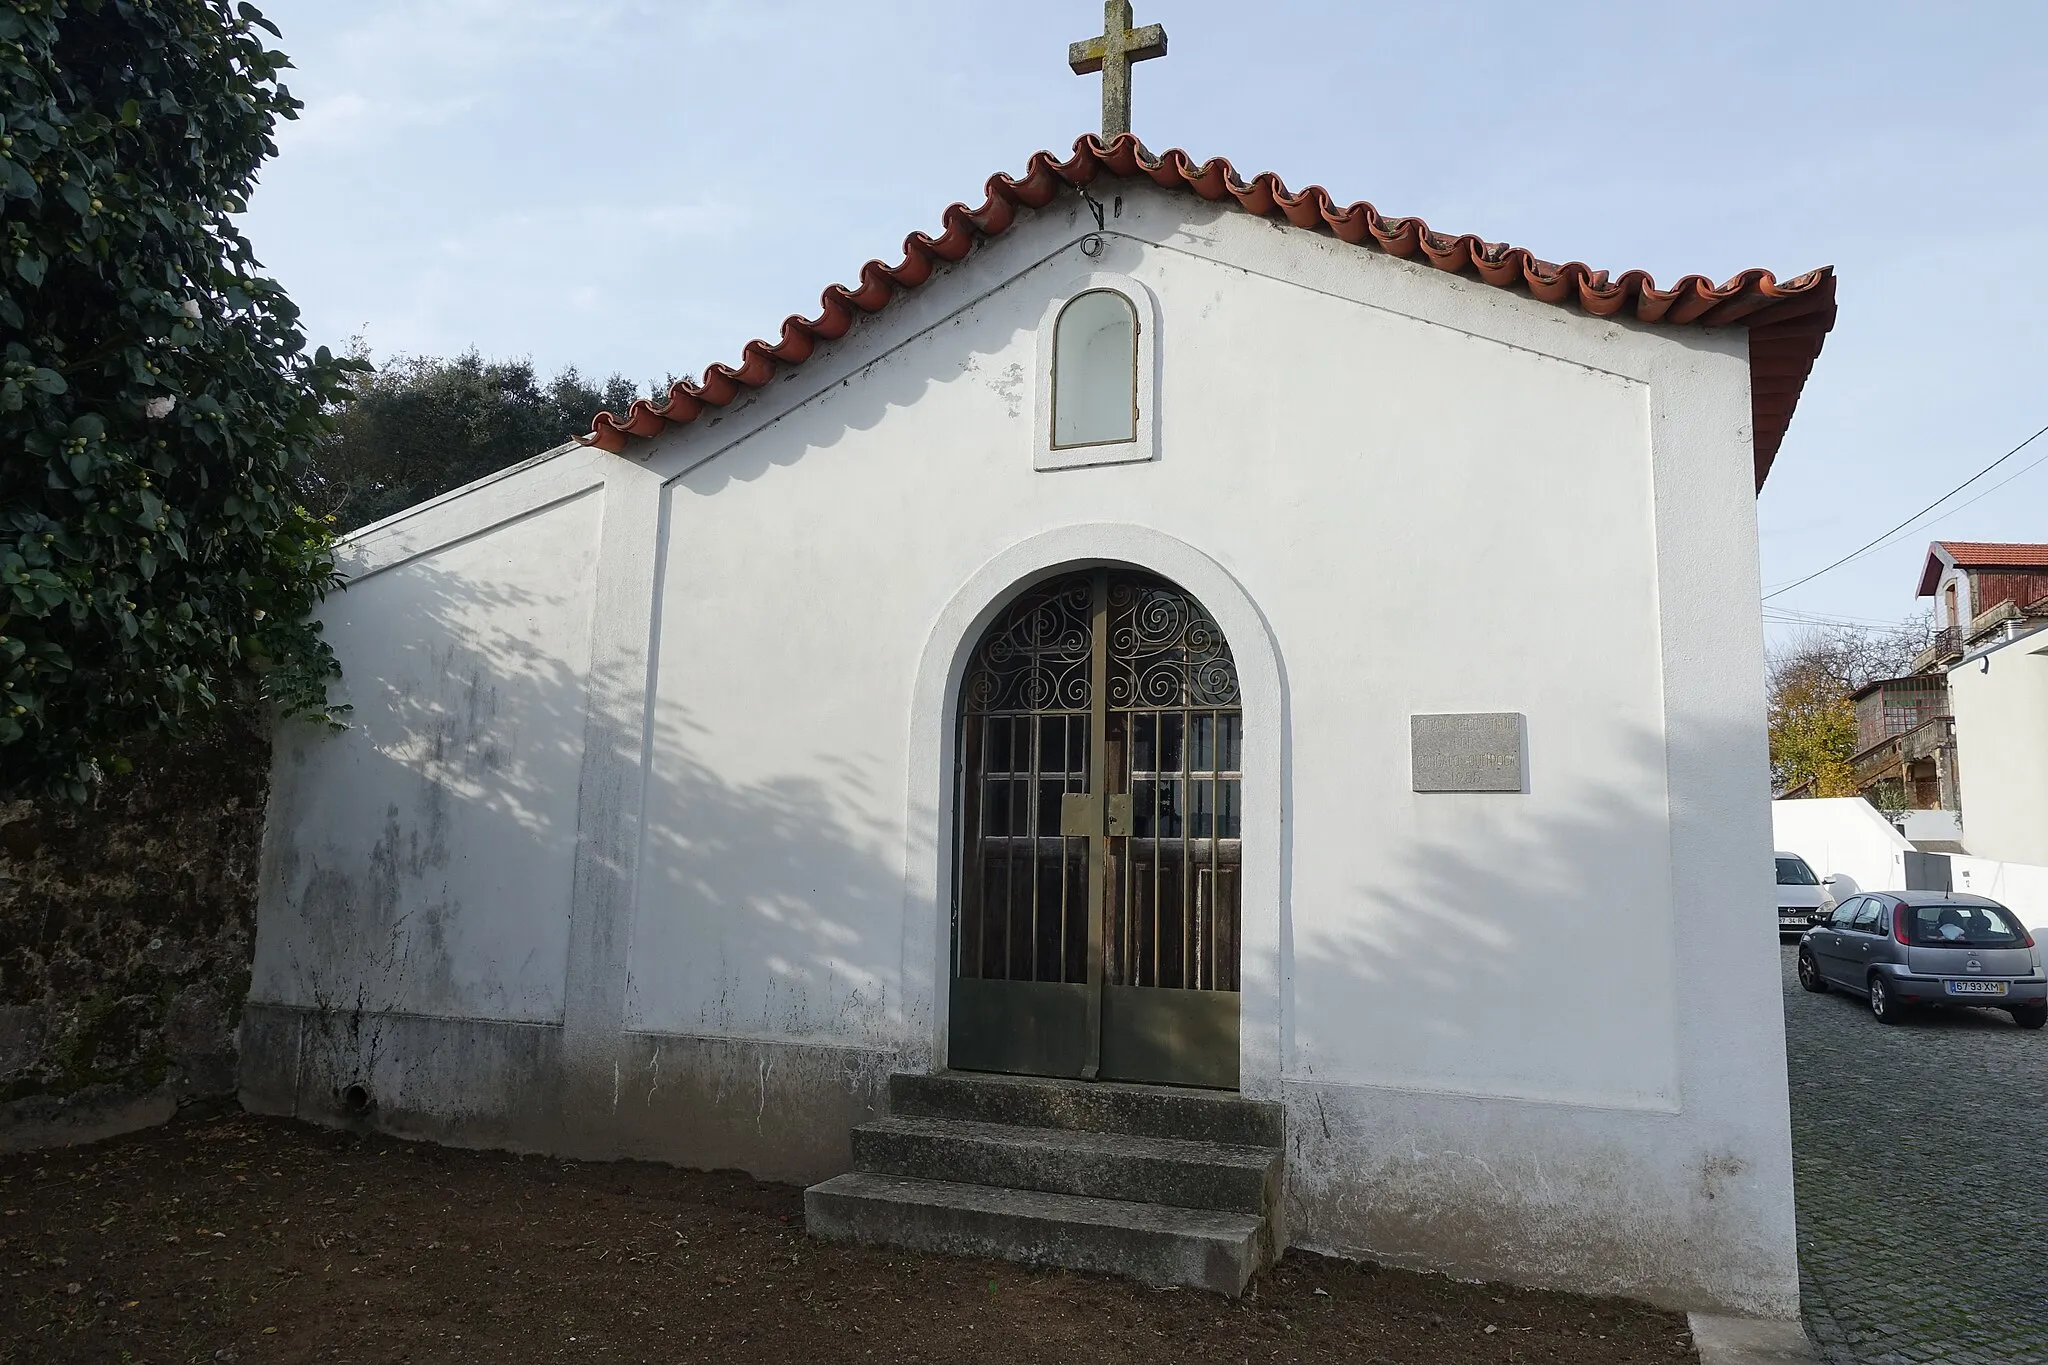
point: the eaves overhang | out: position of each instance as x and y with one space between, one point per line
1787 321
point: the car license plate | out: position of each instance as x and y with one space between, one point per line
1975 987
1785 920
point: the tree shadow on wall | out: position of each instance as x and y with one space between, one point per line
770 907
1509 987
423 861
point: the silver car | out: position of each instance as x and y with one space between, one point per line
1907 949
1800 895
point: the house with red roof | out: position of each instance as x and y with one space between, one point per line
1089 746
1990 659
1983 587
1912 731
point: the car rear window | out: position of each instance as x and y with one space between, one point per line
1795 872
1962 926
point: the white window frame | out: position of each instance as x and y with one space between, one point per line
1144 442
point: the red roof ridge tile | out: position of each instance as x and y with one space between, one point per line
1787 320
1979 554
2000 552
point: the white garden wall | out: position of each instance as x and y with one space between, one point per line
1847 835
2022 887
1843 835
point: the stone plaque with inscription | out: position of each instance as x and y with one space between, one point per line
1468 752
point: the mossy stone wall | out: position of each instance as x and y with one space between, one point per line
125 930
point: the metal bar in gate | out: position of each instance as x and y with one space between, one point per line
1098 840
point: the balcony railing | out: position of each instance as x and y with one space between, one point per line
1946 645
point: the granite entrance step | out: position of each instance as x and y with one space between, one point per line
1152 1243
1088 1106
1147 1170
1162 1185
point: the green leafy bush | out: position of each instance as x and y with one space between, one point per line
421 426
157 408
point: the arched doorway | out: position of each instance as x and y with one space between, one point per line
1097 908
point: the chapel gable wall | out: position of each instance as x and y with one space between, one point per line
719 911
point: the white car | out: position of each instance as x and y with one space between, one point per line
1801 896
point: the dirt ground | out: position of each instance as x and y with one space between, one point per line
259 1240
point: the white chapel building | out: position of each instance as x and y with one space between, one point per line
1130 661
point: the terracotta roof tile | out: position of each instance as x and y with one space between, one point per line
1787 321
1979 554
1996 554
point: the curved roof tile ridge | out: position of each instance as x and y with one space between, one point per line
1787 320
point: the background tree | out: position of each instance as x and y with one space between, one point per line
421 426
1809 683
157 409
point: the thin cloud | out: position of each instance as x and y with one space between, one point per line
352 119
542 239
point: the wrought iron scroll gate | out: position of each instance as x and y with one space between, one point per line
1095 923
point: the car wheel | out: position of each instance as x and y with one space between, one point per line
2030 1016
1809 973
1883 1003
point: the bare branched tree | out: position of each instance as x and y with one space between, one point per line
1809 683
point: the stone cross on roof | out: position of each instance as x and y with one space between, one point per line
1112 53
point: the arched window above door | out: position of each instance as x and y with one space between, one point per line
1095 370
1097 358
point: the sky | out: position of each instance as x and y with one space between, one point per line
642 186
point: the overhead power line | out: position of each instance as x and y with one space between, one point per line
2019 473
1876 541
1965 505
1784 616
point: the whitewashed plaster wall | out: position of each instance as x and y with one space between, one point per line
421 861
1533 1036
1333 481
2000 698
1407 475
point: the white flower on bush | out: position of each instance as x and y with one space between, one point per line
156 409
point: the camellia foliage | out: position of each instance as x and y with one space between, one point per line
157 407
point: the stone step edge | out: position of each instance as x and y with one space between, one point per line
926 1095
1167 1171
1201 1248
1194 1151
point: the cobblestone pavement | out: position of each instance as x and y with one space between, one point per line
1921 1156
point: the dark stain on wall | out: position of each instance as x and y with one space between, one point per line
125 932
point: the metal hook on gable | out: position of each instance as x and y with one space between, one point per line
1093 206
